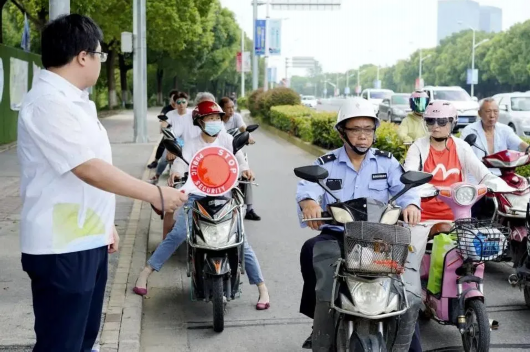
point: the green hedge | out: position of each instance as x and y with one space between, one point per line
242 103
319 128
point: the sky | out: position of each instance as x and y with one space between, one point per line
361 31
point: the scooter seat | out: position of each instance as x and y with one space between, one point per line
440 227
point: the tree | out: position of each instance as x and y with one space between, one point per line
223 50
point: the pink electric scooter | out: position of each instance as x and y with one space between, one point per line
460 301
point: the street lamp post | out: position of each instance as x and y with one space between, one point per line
473 56
421 62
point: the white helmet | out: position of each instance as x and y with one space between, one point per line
356 107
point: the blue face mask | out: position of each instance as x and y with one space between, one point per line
212 128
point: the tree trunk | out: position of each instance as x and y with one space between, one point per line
175 82
123 79
111 79
159 93
2 3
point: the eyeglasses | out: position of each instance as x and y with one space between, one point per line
430 121
179 102
357 131
102 55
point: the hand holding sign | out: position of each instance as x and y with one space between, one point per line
213 171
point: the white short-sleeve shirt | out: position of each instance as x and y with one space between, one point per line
58 130
182 125
235 121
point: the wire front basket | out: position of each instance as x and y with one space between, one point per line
373 248
481 240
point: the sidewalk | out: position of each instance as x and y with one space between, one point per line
132 218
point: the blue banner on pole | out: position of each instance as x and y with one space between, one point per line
260 34
275 29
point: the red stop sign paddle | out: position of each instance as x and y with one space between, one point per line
213 171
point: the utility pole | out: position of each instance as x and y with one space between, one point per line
242 63
58 8
266 78
140 72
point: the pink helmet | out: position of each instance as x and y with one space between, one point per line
418 101
440 109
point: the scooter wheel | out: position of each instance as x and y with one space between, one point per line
218 304
476 337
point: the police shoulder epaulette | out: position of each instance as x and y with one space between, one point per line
326 158
383 153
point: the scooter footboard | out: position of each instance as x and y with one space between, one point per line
323 327
407 321
406 326
325 254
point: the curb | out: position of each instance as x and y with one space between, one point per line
123 318
6 147
306 146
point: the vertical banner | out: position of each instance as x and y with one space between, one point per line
260 34
272 74
274 34
238 61
243 61
247 63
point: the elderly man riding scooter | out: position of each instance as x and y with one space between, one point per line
356 170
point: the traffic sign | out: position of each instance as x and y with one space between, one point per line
213 171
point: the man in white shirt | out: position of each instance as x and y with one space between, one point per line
175 118
68 184
208 118
232 120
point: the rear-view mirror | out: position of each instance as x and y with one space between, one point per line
503 107
168 134
172 147
240 141
471 139
312 173
252 128
415 178
474 98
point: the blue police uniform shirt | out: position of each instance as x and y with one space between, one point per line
378 178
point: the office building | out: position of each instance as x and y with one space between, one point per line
450 12
490 19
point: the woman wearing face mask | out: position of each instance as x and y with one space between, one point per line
448 158
207 116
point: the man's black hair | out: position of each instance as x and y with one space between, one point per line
176 94
65 37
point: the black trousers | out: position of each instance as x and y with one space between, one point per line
308 301
159 151
68 291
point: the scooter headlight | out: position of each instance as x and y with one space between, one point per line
341 215
370 298
217 235
465 195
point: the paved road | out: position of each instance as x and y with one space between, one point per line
16 314
172 322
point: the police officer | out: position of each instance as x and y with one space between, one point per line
356 170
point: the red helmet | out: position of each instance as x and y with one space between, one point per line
206 108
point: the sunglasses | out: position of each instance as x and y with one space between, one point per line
430 121
179 102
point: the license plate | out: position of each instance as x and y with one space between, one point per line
463 120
